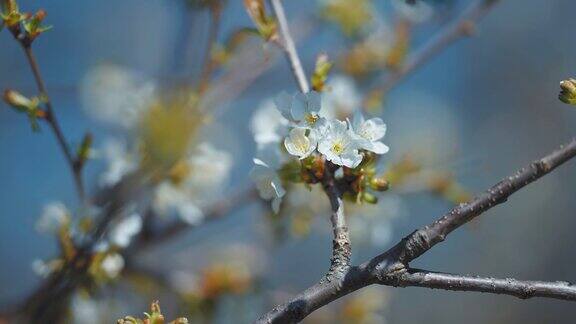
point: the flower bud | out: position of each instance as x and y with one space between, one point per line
369 198
568 91
33 25
379 184
17 100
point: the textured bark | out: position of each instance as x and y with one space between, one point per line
391 267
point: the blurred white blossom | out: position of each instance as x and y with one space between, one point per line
123 232
112 265
341 97
116 95
54 216
205 173
120 161
268 183
41 268
268 125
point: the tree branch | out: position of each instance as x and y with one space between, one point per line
389 267
462 27
75 168
341 247
289 48
517 288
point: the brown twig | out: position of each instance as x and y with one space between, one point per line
287 44
75 167
391 267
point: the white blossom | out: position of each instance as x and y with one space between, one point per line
339 145
121 234
210 169
207 170
54 216
120 161
41 268
112 265
301 109
369 133
172 199
299 143
116 95
268 183
341 97
268 125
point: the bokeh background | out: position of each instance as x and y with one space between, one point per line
487 106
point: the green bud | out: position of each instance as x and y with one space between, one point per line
84 149
33 26
369 198
379 184
568 91
321 70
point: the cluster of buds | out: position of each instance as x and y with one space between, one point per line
29 106
357 184
154 317
24 26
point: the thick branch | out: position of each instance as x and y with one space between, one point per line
517 288
289 47
341 249
462 27
390 266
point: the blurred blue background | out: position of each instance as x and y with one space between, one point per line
491 100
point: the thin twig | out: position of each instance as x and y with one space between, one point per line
289 48
517 288
341 247
462 27
389 267
75 167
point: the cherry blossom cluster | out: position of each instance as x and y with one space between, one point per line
301 128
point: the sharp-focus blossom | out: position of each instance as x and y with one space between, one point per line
121 234
301 142
268 183
116 95
301 109
369 133
54 216
268 125
340 145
